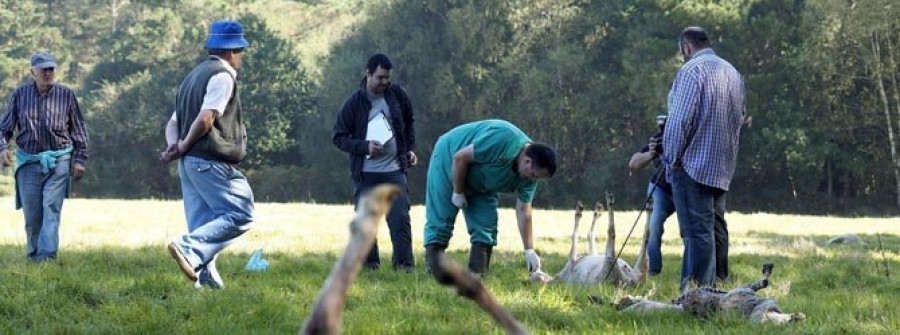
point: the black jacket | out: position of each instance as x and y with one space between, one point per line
349 132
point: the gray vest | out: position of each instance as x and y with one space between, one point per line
227 140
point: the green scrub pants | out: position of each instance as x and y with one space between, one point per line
440 213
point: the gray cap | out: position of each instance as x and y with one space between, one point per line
42 60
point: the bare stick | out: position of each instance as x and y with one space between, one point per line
470 287
329 308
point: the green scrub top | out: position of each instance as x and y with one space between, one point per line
496 143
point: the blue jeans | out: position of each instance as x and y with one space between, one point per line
218 204
397 218
42 197
663 207
701 219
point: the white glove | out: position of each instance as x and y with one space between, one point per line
532 261
459 200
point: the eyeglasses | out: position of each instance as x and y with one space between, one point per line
47 69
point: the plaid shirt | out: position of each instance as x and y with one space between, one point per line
45 122
706 110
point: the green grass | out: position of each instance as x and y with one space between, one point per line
114 276
7 183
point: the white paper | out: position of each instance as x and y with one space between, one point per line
379 129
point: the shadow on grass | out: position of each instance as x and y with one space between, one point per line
140 290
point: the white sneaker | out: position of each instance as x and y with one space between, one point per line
209 276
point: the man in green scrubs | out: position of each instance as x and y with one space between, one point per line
469 166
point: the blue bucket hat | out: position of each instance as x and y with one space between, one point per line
226 35
42 60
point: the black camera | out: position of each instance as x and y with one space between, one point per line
661 122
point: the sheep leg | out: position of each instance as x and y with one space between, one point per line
611 229
764 281
573 252
592 240
768 311
610 260
328 310
470 287
641 306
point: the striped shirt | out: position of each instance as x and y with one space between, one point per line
49 121
706 110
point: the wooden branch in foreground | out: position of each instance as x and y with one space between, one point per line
328 311
469 286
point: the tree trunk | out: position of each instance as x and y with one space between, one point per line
829 174
49 12
892 141
893 71
114 6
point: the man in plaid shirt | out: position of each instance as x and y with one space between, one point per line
51 150
700 144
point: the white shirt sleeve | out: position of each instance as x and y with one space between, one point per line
174 116
218 92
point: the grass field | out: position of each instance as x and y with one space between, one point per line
113 275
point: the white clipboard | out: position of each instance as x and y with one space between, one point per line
379 129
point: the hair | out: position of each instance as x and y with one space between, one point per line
696 36
222 52
378 60
542 157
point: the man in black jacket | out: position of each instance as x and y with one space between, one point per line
383 155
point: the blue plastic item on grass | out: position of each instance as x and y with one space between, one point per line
256 262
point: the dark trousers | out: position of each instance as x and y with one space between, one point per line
397 218
704 232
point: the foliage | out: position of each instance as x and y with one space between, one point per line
7 184
587 77
275 94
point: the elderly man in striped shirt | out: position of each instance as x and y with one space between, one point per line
51 149
700 145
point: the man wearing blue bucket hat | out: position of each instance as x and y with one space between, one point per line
207 134
52 144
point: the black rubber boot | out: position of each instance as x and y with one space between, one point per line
432 252
490 251
480 258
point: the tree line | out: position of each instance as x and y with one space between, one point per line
587 77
